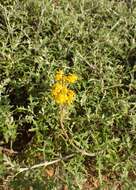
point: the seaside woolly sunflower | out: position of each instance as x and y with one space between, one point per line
60 91
71 78
59 75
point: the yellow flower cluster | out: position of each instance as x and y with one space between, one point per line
60 91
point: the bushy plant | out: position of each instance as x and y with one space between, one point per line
77 137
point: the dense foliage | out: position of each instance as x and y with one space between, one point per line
97 41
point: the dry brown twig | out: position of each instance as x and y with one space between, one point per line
44 164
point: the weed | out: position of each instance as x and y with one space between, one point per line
87 139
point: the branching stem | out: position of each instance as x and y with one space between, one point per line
44 164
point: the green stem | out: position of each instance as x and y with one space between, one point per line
62 117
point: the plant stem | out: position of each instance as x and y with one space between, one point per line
44 164
62 116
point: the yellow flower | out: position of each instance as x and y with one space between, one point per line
71 96
61 98
61 94
71 78
59 75
57 87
